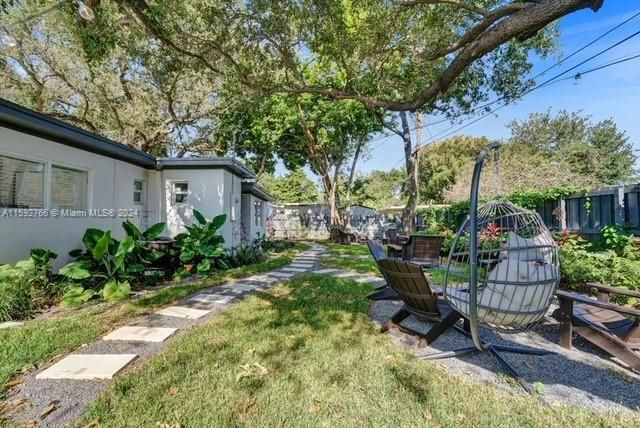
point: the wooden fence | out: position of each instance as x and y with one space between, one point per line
587 213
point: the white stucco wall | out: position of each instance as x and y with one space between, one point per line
212 192
110 187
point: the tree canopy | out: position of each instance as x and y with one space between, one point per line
599 150
295 186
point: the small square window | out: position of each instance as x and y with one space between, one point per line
180 192
138 192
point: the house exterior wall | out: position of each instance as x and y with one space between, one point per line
110 186
211 191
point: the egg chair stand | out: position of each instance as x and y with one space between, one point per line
493 349
471 316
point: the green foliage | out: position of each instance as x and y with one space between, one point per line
295 186
440 164
598 150
109 264
75 296
614 238
534 198
379 189
580 263
27 286
200 247
115 291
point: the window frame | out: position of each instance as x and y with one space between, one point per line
45 172
187 193
48 174
62 165
142 191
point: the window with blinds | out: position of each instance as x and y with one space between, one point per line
69 188
21 183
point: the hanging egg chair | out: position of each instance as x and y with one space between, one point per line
516 272
502 271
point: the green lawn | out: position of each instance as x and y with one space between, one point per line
38 341
337 258
304 355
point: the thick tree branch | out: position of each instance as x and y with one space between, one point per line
521 25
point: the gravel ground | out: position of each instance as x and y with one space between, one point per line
583 377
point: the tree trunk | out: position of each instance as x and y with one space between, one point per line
409 211
356 156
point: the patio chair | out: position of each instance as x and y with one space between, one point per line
394 247
423 250
408 280
385 292
613 328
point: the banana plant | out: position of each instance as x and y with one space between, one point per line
201 246
104 260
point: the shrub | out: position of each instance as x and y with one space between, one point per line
27 285
200 247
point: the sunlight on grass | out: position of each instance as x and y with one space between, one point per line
305 354
38 341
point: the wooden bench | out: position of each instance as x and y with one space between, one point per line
613 328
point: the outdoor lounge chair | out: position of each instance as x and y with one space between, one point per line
394 246
385 292
408 280
423 250
612 328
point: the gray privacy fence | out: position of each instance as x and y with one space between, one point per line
587 213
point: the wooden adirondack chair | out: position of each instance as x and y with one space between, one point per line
423 250
394 247
612 328
385 292
408 280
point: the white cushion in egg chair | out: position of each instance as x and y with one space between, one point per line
519 288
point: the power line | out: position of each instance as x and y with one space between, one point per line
538 86
548 82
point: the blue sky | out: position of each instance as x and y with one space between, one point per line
610 93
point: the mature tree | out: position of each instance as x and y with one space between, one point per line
137 93
440 164
598 150
519 168
380 189
301 130
295 186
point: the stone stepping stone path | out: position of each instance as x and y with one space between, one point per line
75 380
182 312
141 334
85 367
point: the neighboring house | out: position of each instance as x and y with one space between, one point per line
57 180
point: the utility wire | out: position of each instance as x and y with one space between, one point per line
546 83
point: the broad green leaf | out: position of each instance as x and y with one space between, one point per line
187 255
91 238
207 250
218 221
76 296
126 246
198 215
115 291
75 253
26 265
154 231
131 229
102 246
76 270
204 267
